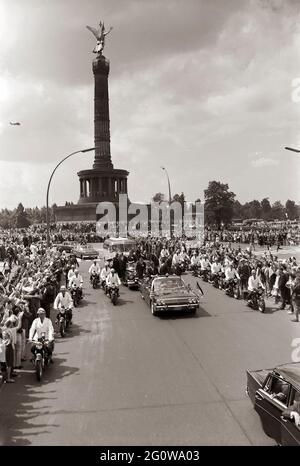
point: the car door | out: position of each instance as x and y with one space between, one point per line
269 406
290 433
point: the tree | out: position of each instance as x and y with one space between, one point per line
252 209
278 211
21 217
238 210
291 210
265 209
179 198
158 197
219 203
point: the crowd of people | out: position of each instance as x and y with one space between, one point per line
280 278
34 278
287 235
30 280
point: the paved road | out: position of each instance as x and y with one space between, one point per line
125 377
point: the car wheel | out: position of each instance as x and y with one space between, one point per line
262 306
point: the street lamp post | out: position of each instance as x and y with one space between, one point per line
170 199
48 188
169 185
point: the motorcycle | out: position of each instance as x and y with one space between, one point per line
214 279
232 289
40 359
204 274
76 295
104 286
179 268
64 321
221 280
195 269
256 300
95 279
114 293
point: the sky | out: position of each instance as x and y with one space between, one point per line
206 88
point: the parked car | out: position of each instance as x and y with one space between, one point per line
275 394
131 280
86 252
168 293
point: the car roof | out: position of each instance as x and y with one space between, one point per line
291 373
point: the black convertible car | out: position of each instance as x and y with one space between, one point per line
168 293
275 394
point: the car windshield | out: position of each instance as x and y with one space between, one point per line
169 285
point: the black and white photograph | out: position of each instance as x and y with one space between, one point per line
149 226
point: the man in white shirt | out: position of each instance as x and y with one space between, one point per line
71 273
164 253
254 282
231 273
76 283
194 260
94 268
42 325
176 258
112 279
204 263
105 272
64 299
215 267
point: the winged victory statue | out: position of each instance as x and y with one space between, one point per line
100 35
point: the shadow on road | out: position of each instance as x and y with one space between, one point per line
18 411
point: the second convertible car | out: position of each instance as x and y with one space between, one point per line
275 394
168 293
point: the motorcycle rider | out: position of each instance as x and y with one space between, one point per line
42 324
76 283
215 269
194 260
104 274
254 283
64 299
230 274
94 269
71 273
204 263
113 279
176 258
244 271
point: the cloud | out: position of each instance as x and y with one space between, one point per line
195 86
264 162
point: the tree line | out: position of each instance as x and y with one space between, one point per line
221 206
23 218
